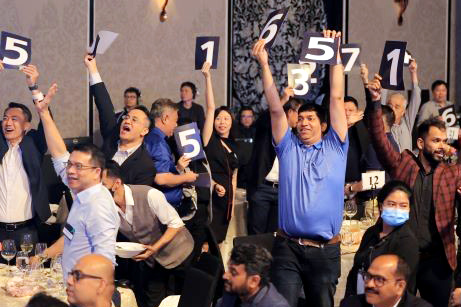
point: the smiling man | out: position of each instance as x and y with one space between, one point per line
311 179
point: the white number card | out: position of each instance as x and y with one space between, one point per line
272 26
452 134
102 42
299 77
391 68
373 180
15 50
206 50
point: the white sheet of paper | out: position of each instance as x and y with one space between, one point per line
106 38
373 180
452 133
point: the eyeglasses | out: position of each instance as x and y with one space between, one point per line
78 166
377 279
77 275
134 119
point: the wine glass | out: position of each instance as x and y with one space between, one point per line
8 250
350 209
22 261
40 253
26 243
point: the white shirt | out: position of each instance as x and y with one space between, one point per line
396 304
94 220
15 197
158 204
273 175
121 155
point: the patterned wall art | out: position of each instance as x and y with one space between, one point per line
248 19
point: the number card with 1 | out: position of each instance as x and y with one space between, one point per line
272 26
391 68
15 50
189 142
206 50
318 49
449 116
299 78
350 56
373 180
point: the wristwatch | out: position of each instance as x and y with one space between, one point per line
33 87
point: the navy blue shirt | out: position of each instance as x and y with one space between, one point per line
311 185
157 146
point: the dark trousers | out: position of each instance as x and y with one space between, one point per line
263 210
316 269
17 235
197 227
434 279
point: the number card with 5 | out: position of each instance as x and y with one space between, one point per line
373 180
15 50
318 49
272 26
206 50
391 68
189 142
449 116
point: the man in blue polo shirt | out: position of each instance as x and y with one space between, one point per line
311 179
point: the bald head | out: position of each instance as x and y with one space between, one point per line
97 265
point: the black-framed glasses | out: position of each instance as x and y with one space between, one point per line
377 279
78 166
77 275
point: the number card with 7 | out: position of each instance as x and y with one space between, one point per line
391 68
350 56
206 50
318 49
189 142
15 50
272 26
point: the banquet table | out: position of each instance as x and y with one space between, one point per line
127 296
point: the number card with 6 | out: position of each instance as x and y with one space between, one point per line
319 49
189 142
15 50
449 116
206 50
272 26
373 180
350 56
391 68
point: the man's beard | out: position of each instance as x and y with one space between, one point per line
430 158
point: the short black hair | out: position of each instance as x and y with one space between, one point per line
313 107
389 115
225 109
146 112
257 260
423 128
437 83
351 99
292 104
245 108
113 170
25 110
132 89
191 86
43 300
97 157
392 186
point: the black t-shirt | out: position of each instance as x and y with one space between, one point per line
194 114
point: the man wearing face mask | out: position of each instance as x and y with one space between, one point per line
435 186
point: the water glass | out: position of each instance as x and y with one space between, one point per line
22 261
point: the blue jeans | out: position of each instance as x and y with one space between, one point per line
263 210
316 269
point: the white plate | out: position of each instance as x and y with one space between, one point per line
128 249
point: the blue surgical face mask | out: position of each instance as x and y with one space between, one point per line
394 217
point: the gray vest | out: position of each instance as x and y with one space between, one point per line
147 229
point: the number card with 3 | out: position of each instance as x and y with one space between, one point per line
299 78
391 68
206 50
189 142
350 56
272 26
449 116
373 180
15 50
318 49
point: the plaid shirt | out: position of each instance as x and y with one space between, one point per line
405 167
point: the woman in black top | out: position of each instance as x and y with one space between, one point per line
390 235
220 150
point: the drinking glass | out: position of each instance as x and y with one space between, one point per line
26 243
350 209
40 253
22 261
8 250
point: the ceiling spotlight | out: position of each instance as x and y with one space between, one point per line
163 15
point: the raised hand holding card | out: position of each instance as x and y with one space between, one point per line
102 42
319 49
391 68
189 142
206 50
350 56
408 57
449 116
15 50
272 26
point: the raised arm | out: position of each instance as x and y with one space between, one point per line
278 119
337 112
415 100
210 105
55 143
